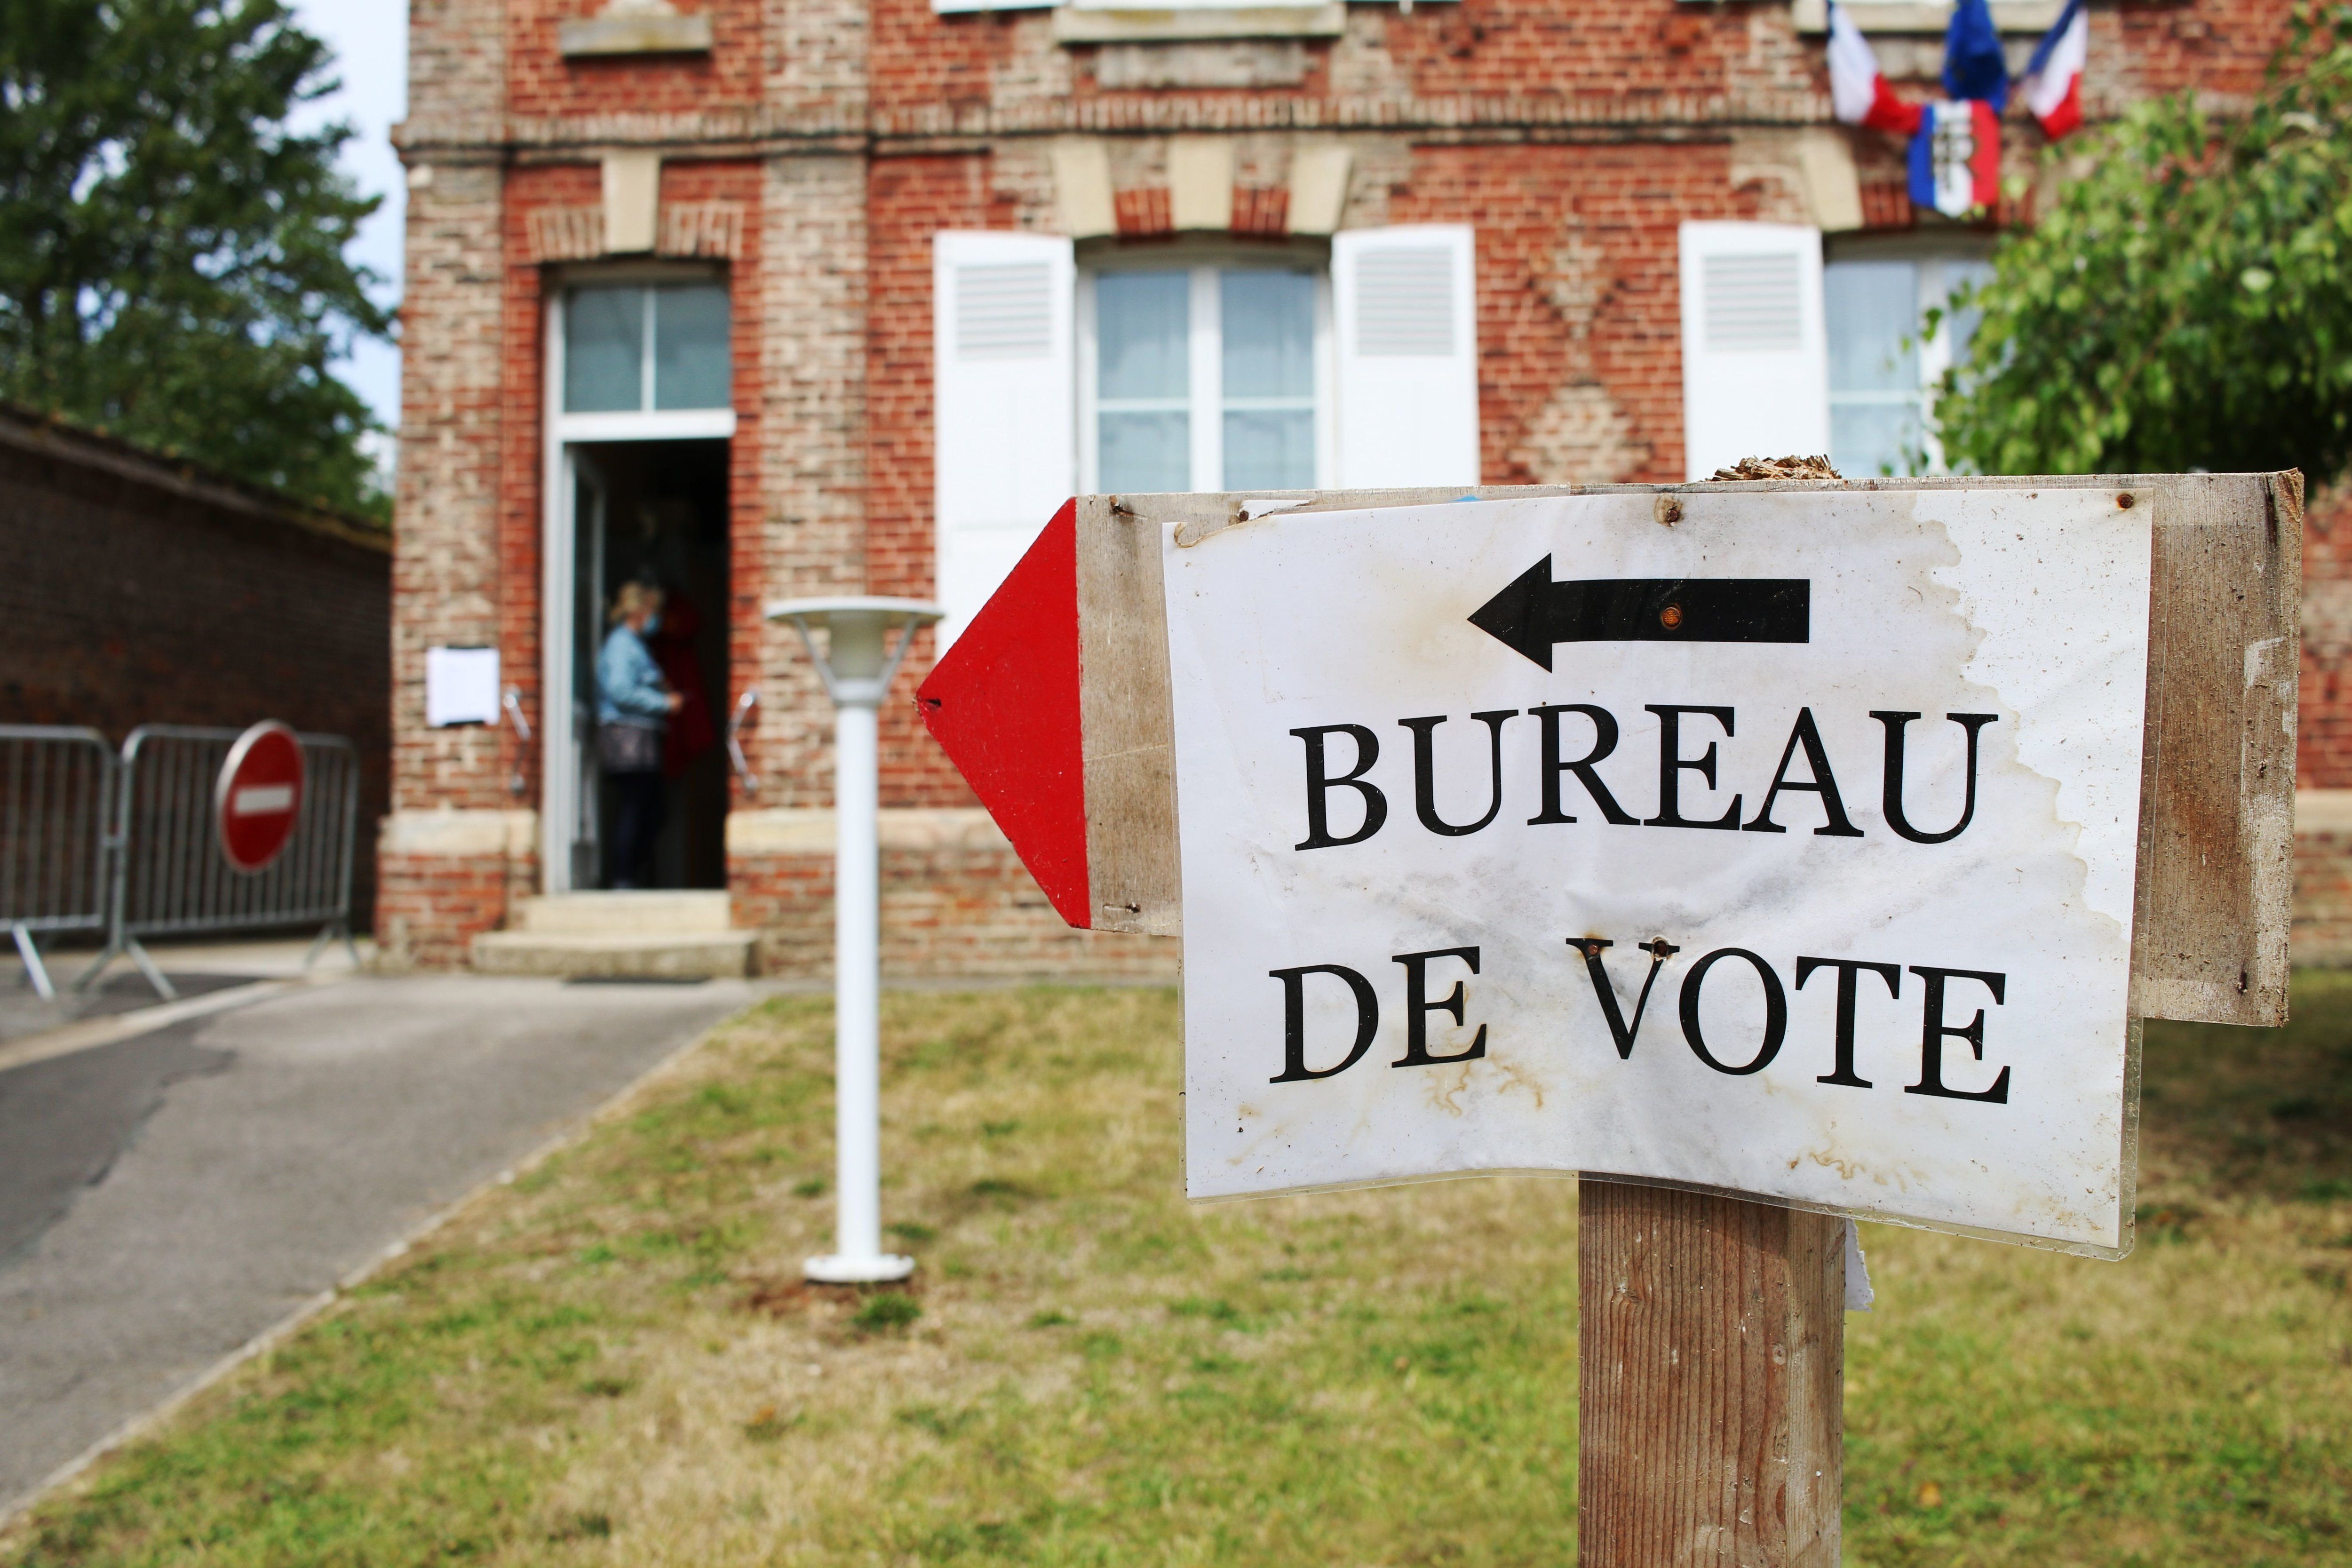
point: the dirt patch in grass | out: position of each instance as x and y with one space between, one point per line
614 1360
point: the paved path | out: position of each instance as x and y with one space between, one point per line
166 1198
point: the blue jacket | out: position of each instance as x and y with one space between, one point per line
629 685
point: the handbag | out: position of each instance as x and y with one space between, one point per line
629 748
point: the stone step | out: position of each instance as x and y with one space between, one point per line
653 912
683 956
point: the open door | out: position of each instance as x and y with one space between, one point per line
575 597
589 507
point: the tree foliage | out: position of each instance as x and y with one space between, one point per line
2186 305
171 264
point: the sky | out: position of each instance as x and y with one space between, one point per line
370 38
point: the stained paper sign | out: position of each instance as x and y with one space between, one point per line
461 686
1787 849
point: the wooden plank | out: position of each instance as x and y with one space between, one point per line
2216 818
2217 850
1129 739
1710 1380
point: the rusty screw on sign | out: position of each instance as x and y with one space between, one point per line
2123 500
1670 616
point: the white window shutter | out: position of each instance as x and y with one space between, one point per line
1755 379
1406 300
1005 395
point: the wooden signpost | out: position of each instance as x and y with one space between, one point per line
1770 854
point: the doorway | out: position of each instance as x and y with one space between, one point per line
652 512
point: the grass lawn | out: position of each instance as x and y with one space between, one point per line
612 1361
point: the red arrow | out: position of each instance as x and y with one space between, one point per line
1004 703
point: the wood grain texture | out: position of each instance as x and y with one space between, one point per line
1711 1381
1125 723
2217 814
2217 842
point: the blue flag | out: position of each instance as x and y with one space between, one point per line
1973 65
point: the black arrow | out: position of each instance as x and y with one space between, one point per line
1534 612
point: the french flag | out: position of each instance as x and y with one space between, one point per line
1956 157
2053 81
1858 91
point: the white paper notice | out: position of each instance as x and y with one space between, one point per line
1806 868
461 686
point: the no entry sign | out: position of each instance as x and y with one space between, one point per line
1815 842
259 795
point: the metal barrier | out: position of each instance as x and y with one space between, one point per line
57 785
170 877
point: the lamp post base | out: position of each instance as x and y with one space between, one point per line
836 1270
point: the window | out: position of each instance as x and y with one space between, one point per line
643 348
1204 378
1883 370
1245 366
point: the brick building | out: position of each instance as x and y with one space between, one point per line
762 299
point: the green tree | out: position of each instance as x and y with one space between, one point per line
2186 305
172 263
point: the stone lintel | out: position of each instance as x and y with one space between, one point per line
1085 25
639 33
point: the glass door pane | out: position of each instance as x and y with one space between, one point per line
1143 380
1268 321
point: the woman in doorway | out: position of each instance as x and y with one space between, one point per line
633 708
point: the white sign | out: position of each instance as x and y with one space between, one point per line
461 686
1788 850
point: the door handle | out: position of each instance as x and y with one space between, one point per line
735 722
516 784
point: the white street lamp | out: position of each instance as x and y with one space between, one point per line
860 658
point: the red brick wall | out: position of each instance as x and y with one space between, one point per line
1618 207
1651 49
2211 46
2323 745
433 906
946 913
541 82
1640 60
522 454
921 58
124 604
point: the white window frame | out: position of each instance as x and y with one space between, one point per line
1937 265
1206 401
643 423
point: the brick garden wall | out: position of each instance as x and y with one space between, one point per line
133 591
